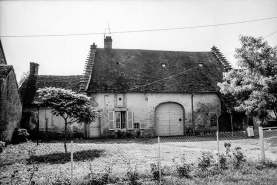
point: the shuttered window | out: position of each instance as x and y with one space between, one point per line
130 120
111 120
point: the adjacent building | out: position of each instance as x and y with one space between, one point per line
10 104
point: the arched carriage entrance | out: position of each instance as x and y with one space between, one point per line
169 119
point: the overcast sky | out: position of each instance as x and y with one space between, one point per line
66 55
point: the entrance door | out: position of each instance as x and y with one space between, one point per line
169 119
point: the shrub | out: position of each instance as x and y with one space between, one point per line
266 165
2 146
238 158
206 160
155 171
133 176
223 161
183 169
20 135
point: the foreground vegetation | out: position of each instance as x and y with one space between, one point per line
27 166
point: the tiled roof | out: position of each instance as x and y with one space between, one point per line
35 82
125 70
71 82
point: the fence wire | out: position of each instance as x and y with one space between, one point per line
48 163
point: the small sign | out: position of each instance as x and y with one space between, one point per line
250 131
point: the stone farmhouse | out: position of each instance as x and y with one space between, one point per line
142 93
10 104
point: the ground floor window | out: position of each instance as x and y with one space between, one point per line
120 118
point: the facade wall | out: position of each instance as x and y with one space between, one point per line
144 105
48 122
10 107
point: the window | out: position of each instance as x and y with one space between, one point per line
136 125
120 120
213 119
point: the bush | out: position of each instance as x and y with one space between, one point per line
183 169
20 135
133 176
268 164
2 146
238 158
206 160
155 171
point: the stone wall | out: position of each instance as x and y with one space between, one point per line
10 107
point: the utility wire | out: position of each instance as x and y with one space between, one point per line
263 37
138 31
163 78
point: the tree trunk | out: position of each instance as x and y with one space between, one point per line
65 132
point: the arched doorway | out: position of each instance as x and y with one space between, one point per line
169 119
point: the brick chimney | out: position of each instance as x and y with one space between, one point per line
108 42
33 68
93 46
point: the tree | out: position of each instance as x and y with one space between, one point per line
254 84
72 107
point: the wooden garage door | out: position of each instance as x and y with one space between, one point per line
169 119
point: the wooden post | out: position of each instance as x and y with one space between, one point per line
217 140
38 124
71 162
159 158
261 136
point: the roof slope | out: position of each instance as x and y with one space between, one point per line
124 70
35 82
71 82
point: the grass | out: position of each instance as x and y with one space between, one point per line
94 156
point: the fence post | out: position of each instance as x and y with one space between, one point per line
159 158
261 135
71 162
217 138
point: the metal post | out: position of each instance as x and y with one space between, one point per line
71 162
159 162
261 135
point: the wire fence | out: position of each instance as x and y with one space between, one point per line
48 163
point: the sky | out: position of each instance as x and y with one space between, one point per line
66 55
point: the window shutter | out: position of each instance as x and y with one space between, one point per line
130 122
111 120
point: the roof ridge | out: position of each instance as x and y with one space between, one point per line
157 50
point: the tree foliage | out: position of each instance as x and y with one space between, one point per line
254 84
72 107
